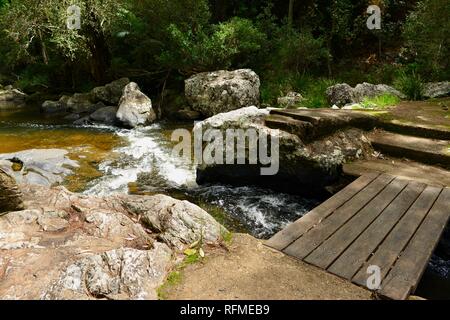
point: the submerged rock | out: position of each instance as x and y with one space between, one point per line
10 195
135 108
106 115
45 167
436 90
70 246
211 93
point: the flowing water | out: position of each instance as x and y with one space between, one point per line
140 161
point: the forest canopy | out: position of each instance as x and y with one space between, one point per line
301 45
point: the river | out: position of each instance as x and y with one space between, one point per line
140 161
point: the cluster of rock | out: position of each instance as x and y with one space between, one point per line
211 93
60 245
291 101
11 97
343 94
119 103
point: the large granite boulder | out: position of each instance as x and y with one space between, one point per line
368 90
66 246
340 94
436 90
45 167
343 94
10 195
211 93
310 155
135 108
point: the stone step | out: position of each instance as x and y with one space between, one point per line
422 131
288 124
411 170
322 121
427 151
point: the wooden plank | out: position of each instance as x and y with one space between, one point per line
406 273
295 230
312 239
389 250
348 264
334 246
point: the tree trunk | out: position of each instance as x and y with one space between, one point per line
100 56
291 13
43 48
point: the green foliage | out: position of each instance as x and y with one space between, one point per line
427 34
149 38
221 46
383 101
315 93
411 84
173 279
30 78
300 51
312 88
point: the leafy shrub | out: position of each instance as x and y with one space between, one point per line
410 84
427 34
300 51
32 77
225 45
315 93
312 89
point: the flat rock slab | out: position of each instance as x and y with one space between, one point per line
323 121
38 166
379 224
428 119
429 151
430 175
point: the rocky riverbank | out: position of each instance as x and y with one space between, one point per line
62 245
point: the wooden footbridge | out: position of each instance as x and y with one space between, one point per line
378 220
